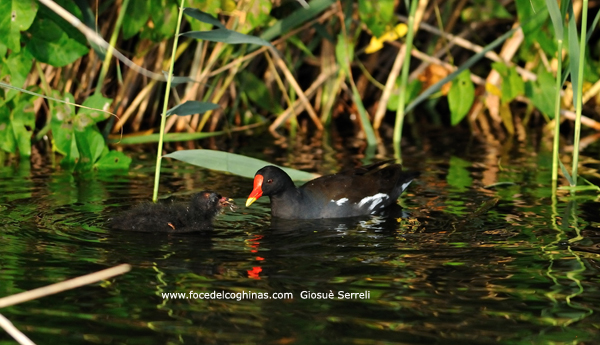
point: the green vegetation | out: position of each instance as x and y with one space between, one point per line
254 63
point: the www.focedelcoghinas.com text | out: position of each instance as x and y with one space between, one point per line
242 295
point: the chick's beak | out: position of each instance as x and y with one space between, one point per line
256 191
227 202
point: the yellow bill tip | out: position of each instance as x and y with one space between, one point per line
250 201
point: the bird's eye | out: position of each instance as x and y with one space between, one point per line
270 180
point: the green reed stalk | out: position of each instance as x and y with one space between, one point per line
112 43
579 105
404 80
557 113
163 116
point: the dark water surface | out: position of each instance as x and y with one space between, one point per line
463 265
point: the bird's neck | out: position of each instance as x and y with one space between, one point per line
290 199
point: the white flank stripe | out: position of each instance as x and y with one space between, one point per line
340 202
374 200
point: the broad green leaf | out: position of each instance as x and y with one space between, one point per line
541 92
90 145
114 160
7 138
377 15
512 83
138 13
226 36
164 14
51 45
461 97
232 163
23 124
61 124
258 93
19 66
86 117
203 17
501 68
15 16
533 14
192 107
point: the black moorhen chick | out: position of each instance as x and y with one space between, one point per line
355 192
173 217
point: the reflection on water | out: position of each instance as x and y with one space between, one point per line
459 263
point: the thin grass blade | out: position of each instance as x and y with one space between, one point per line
226 36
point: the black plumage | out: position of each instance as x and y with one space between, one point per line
197 215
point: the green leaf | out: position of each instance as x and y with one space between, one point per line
19 66
257 91
15 16
203 17
90 145
573 52
23 124
61 124
232 163
541 92
344 53
114 160
461 97
512 83
138 13
377 15
192 107
206 7
86 117
226 36
557 19
7 138
51 45
526 11
566 173
164 15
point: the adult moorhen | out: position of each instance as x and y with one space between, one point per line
355 192
197 215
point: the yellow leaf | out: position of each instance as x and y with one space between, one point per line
374 45
390 35
493 89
